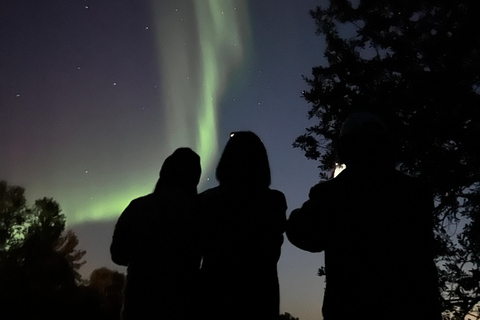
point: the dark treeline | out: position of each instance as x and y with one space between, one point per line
40 262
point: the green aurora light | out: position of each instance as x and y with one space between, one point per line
200 44
199 47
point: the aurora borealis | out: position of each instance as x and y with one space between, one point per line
94 94
200 44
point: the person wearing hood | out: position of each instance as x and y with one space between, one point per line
243 222
375 226
157 238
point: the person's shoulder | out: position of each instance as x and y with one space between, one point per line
414 183
210 193
275 193
413 188
143 200
276 196
324 187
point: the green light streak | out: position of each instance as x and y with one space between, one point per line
199 44
105 206
220 51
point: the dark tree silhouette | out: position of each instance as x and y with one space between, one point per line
14 214
38 265
417 62
108 285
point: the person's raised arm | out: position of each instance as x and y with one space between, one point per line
303 227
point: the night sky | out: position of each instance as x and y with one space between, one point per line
95 94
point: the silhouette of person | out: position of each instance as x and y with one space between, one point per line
375 226
158 239
243 222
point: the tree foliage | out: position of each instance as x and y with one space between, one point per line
38 263
108 286
14 212
24 230
418 64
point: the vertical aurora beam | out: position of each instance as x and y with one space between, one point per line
200 44
221 49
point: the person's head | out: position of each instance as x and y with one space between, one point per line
244 162
364 139
181 170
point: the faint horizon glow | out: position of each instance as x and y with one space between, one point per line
200 44
107 206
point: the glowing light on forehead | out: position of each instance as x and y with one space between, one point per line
200 44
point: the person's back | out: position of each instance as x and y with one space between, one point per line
157 237
377 236
242 230
242 242
375 226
